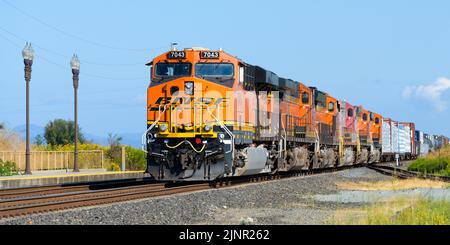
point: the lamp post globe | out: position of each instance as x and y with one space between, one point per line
28 52
75 62
75 65
28 56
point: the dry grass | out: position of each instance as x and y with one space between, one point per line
444 152
399 211
392 185
10 141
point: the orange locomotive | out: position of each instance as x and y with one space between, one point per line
211 115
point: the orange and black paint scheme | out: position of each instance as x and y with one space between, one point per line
210 115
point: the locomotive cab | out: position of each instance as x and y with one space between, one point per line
187 100
202 116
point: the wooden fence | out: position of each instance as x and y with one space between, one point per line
55 160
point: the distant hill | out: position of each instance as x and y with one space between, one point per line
34 131
131 139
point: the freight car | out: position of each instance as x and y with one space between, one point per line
398 140
211 115
422 143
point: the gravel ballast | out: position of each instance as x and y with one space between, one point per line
289 201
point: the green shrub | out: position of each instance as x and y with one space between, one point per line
8 168
435 165
135 159
114 167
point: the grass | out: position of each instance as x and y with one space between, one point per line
393 185
399 211
435 163
10 141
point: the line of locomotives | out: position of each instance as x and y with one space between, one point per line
211 115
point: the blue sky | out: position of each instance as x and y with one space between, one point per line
391 56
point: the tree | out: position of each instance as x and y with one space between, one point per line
115 149
61 132
114 140
39 140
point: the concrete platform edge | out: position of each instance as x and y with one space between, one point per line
70 179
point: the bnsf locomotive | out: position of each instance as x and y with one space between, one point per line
211 115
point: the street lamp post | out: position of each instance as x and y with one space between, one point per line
28 56
75 64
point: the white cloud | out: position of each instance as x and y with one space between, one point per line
431 92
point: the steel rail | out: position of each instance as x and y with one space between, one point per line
17 202
405 174
65 188
63 202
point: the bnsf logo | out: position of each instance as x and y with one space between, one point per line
187 101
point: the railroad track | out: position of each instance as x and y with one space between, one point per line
405 174
66 188
55 202
25 201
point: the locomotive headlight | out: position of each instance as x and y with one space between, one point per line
207 128
189 88
163 127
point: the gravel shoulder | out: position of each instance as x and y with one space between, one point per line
292 201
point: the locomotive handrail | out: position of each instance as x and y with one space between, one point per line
284 145
144 136
228 131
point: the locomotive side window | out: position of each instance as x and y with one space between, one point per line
173 69
320 99
365 116
331 107
305 98
350 112
377 120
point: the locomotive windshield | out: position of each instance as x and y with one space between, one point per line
214 70
173 69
